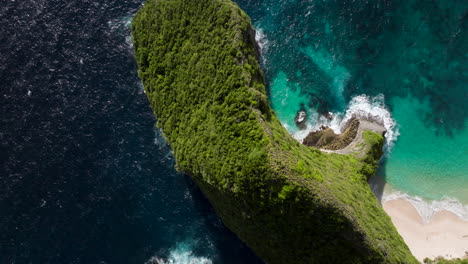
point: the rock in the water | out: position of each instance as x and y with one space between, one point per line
300 119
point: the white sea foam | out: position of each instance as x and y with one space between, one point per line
426 208
362 106
121 26
262 41
181 254
373 108
120 23
129 41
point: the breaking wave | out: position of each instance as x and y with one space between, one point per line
372 108
181 254
426 208
262 41
362 106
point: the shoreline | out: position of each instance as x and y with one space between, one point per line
444 234
425 208
430 229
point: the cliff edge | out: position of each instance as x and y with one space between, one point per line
198 61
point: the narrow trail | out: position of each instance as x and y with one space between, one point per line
357 145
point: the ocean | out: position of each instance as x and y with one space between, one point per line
84 175
403 63
86 178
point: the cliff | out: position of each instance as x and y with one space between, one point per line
290 203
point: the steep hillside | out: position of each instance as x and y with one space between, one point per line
290 203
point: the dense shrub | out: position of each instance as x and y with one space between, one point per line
292 204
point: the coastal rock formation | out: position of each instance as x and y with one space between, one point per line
361 138
300 119
290 203
320 138
326 138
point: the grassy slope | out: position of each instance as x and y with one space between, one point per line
288 202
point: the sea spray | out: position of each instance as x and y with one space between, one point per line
262 41
182 253
361 106
121 26
120 23
372 108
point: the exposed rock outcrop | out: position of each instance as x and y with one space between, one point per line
327 139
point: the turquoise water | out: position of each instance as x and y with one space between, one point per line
411 55
422 162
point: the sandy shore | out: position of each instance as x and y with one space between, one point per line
444 235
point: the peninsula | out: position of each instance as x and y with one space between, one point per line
290 203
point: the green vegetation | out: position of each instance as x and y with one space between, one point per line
371 138
290 203
375 141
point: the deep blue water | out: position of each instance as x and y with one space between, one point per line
84 176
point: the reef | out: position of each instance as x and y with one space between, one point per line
290 203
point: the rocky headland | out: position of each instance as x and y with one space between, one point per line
290 203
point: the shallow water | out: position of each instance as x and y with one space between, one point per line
424 163
323 55
85 178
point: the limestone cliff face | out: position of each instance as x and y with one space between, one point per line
290 203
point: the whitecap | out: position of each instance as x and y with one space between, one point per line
262 41
122 26
120 23
361 106
372 108
129 41
181 254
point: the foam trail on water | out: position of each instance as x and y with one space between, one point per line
181 254
426 209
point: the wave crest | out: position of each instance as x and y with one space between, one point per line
181 254
426 209
361 106
372 108
262 41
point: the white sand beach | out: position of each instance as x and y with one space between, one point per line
444 235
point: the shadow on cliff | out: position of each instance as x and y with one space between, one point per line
226 244
377 182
